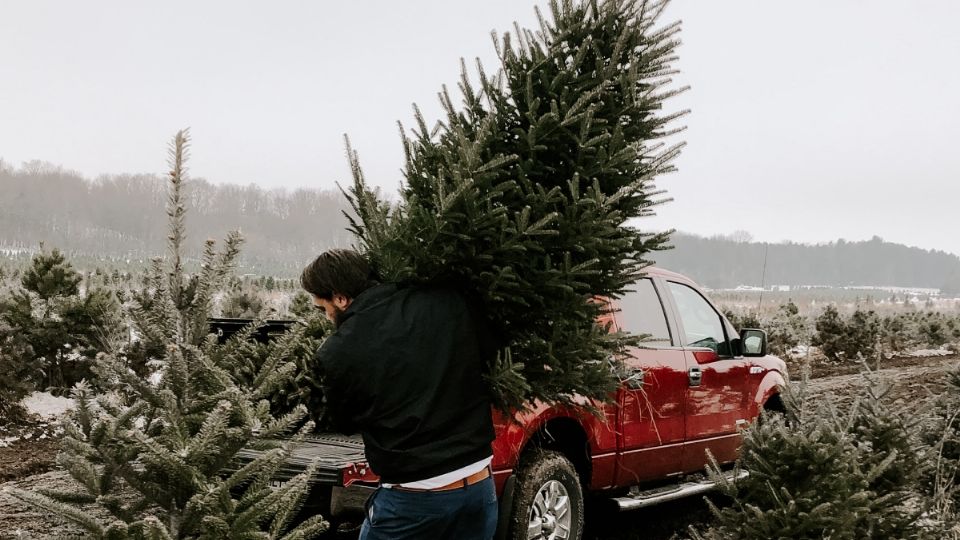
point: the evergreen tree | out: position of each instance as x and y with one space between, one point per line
291 354
743 319
19 371
863 331
817 473
523 196
830 332
243 303
897 333
63 327
847 338
786 329
168 439
50 276
301 306
942 435
933 329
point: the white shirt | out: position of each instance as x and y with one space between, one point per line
446 478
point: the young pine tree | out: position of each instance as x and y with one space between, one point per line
819 472
524 196
847 338
301 306
64 327
153 452
243 302
786 329
941 434
19 371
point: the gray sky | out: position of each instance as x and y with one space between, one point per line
810 121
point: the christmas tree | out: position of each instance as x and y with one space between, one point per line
63 326
524 196
153 452
19 372
823 472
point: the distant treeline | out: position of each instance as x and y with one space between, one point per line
123 217
728 261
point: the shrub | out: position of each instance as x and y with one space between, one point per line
63 327
819 473
846 338
786 329
743 319
19 372
933 329
301 306
243 303
941 434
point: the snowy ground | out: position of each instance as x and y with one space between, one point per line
46 405
48 410
929 353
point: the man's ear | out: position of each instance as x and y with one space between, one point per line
341 301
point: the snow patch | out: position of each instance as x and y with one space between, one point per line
926 353
46 405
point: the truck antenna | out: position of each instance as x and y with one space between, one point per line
763 276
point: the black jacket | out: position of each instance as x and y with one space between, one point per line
404 368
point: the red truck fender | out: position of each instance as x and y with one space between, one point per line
768 389
561 425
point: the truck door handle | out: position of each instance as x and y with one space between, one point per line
695 375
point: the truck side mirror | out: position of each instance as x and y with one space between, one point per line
754 342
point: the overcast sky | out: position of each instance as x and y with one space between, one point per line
810 121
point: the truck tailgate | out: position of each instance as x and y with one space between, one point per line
339 458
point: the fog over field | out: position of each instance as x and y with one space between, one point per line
810 122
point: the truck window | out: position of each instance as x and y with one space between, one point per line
701 323
642 313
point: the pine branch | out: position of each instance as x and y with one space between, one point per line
178 154
311 528
71 513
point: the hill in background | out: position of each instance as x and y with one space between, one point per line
729 261
122 218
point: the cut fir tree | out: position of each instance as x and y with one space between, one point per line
523 196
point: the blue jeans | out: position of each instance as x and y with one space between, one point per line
467 513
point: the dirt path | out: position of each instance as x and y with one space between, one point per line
911 381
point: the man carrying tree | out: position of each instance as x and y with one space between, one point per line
404 369
524 197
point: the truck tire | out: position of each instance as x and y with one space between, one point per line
547 500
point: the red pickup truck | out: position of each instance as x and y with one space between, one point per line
690 388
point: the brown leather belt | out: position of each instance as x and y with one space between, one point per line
478 476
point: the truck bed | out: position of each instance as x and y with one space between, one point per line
340 460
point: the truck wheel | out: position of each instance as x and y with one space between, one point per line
548 500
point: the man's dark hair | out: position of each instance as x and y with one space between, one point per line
338 271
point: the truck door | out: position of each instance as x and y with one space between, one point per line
651 398
716 380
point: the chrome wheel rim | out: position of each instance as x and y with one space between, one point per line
550 516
